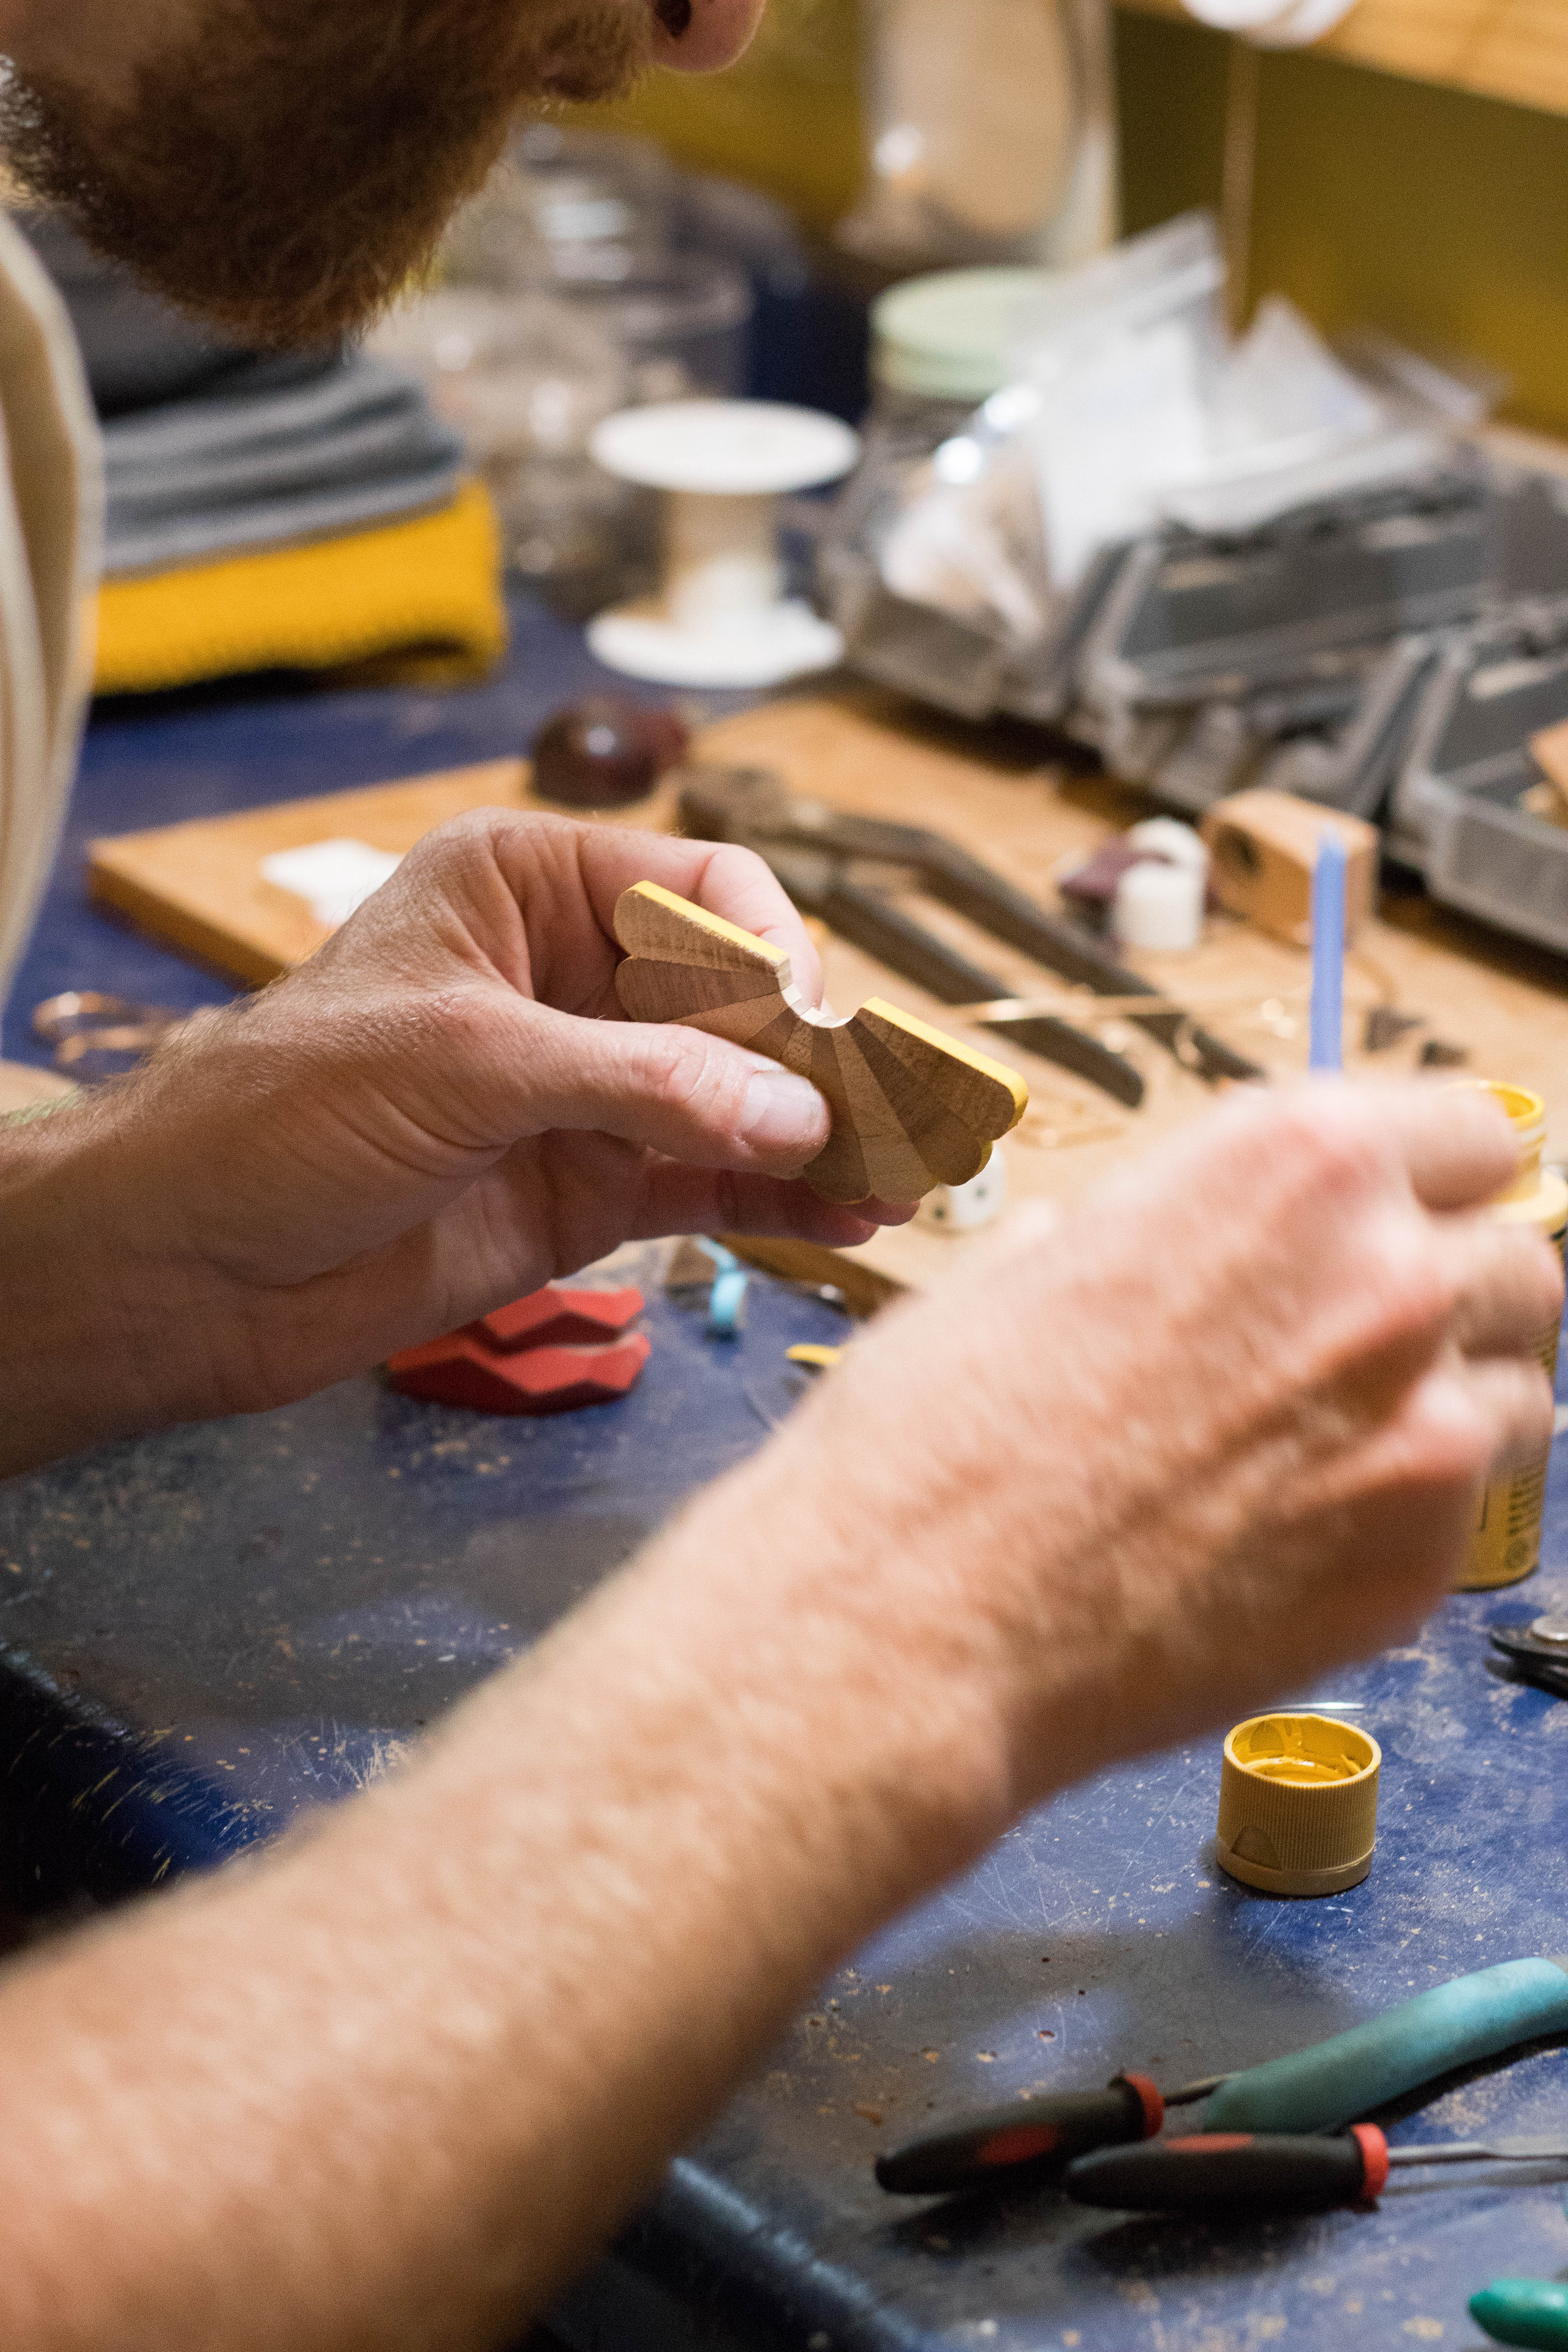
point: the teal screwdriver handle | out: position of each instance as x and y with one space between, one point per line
1318 2089
1523 2311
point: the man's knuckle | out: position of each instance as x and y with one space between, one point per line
452 842
1333 1157
1410 1291
1545 1277
755 867
678 1065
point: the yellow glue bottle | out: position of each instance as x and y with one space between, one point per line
1506 1542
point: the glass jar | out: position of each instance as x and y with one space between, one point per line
990 136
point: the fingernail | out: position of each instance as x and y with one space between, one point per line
782 1111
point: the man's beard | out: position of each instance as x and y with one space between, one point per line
284 169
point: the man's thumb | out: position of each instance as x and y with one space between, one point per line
699 1099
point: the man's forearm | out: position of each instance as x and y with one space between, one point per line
101 1332
388 2086
69 1354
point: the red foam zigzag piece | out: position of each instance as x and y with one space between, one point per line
559 1318
530 1357
458 1370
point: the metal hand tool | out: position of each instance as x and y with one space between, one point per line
1233 2173
1031 2135
84 1021
1311 2090
1537 1652
820 855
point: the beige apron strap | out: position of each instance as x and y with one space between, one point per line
51 501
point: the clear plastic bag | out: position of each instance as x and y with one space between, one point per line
524 378
974 561
1290 424
1122 363
988 522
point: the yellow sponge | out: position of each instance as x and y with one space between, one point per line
419 600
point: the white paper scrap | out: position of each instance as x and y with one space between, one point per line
336 876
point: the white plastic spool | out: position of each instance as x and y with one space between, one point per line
720 617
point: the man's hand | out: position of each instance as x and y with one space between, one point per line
441 1110
1223 1430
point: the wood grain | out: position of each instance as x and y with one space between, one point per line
912 1108
1265 849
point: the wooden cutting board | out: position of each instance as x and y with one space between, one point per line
1507 1005
199 885
21 1087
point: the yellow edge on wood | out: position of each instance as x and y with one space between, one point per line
714 924
186 928
999 1071
866 1290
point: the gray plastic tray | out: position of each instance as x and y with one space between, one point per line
1456 814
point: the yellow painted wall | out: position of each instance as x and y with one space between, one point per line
1439 215
1436 215
787 116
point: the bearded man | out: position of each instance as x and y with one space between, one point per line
282 166
389 2084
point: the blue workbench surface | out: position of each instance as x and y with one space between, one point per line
202 1632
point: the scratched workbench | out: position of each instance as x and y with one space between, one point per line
203 1631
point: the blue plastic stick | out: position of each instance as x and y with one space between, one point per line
727 1298
1326 1051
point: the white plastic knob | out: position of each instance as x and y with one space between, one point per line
1160 906
1168 838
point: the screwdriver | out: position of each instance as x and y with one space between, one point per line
1233 2173
1311 2090
1024 2138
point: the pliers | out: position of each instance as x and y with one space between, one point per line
820 855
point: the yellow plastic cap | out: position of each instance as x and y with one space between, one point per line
1297 1804
1527 1115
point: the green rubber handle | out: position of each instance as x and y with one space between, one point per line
1318 2089
1523 2311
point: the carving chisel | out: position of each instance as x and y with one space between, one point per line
1313 2090
1031 2135
1236 2173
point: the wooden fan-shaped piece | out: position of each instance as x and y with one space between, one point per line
912 1108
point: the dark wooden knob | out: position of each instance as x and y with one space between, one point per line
603 753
